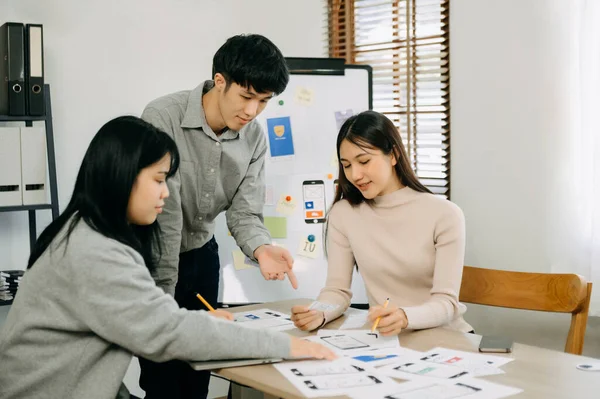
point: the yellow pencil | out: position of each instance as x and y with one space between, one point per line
387 301
205 303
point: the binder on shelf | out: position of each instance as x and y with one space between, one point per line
34 62
12 69
34 165
10 166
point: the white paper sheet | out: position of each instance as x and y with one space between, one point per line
467 388
351 342
477 364
355 319
264 318
318 378
324 307
382 357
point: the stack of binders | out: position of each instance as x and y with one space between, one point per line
23 150
21 69
9 284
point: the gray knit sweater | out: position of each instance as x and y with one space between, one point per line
81 314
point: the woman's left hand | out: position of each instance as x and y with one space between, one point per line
393 319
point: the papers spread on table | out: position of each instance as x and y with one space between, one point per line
264 318
466 388
318 378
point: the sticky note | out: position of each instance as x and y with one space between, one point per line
341 116
334 160
269 195
308 248
286 205
239 260
304 96
277 226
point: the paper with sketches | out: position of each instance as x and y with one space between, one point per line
318 378
323 307
382 357
466 388
264 318
240 260
417 369
341 116
478 365
304 96
350 342
286 205
355 318
308 249
269 195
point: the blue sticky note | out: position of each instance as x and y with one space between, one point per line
280 136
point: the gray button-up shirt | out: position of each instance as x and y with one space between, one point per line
217 173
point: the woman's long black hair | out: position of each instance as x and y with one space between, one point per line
119 151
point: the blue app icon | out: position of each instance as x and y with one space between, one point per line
309 205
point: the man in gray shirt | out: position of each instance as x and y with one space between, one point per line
222 152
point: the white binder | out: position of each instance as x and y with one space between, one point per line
34 165
10 166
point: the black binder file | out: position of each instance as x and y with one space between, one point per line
12 69
34 62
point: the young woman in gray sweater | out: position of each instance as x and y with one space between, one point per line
88 303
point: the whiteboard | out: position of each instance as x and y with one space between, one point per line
306 112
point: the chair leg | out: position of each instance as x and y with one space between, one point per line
576 335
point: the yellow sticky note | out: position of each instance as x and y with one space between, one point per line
286 205
334 160
239 260
304 96
277 226
309 247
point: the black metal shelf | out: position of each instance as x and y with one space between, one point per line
24 118
47 118
24 207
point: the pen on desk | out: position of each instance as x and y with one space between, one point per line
205 303
387 301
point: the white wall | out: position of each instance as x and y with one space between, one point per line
111 57
512 90
104 58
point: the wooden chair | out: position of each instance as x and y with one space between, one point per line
562 293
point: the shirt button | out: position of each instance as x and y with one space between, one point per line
192 233
200 218
218 144
206 195
212 170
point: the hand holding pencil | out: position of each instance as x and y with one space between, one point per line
219 313
388 319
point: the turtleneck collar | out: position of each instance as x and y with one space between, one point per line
398 197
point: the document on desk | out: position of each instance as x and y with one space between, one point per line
467 388
355 318
383 357
318 378
350 342
264 318
478 365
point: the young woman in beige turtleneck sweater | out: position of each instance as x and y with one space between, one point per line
407 243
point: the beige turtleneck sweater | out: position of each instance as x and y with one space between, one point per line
409 246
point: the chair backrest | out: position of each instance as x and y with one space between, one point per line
563 293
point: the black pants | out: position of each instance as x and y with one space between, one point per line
198 273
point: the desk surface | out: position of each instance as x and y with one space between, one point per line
541 373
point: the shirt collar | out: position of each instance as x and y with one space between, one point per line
195 117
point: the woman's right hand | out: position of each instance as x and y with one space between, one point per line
300 348
307 319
